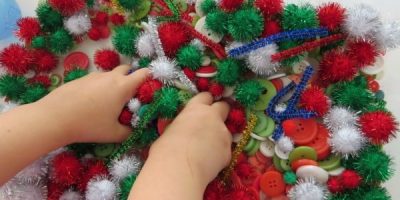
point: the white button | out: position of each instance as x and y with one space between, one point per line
275 76
267 148
180 85
206 75
255 136
336 172
198 9
201 28
281 154
310 171
236 137
299 68
206 61
374 69
30 74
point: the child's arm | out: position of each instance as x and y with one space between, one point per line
85 110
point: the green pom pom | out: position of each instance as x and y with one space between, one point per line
126 186
189 56
75 74
216 21
208 6
376 193
168 102
248 92
61 42
81 149
246 24
90 3
129 4
33 93
228 72
148 136
293 60
12 86
38 42
144 62
124 39
290 178
50 19
374 165
299 17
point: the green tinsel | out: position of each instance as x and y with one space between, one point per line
149 135
124 38
208 6
38 42
246 24
33 93
61 42
144 62
129 4
12 86
293 60
168 102
248 92
50 19
228 71
290 178
81 149
75 74
189 56
299 17
217 21
125 186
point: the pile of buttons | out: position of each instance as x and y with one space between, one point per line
308 118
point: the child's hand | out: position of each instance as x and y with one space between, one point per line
87 109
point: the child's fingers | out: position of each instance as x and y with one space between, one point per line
122 69
202 98
122 132
137 78
222 108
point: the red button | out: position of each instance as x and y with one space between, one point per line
320 143
162 124
207 69
277 83
272 184
76 60
301 131
302 162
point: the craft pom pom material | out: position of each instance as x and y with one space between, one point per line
301 131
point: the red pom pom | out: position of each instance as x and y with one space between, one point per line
173 35
146 91
101 18
244 170
189 73
16 59
373 86
331 15
350 179
378 126
335 67
44 61
335 184
216 89
117 19
214 191
230 5
236 120
240 192
271 27
28 28
125 117
42 80
203 84
106 59
67 169
362 52
314 99
54 190
67 7
94 34
269 7
94 168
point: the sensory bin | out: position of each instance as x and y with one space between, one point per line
308 118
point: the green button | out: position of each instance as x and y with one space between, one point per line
261 122
55 80
142 10
255 148
181 4
104 150
301 153
250 145
285 165
331 163
277 163
269 130
268 93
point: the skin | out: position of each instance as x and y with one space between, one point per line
190 153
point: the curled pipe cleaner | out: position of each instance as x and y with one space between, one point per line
279 37
291 111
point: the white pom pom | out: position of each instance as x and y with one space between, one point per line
308 190
134 105
135 121
191 2
163 69
233 45
121 168
197 43
8 106
285 144
101 188
389 36
362 21
34 172
144 45
339 117
71 195
78 24
347 141
30 191
260 62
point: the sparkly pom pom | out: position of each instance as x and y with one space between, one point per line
78 24
228 71
125 117
260 62
246 24
61 42
125 186
12 87
285 144
335 184
314 99
248 92
34 172
216 90
71 195
125 166
208 6
28 28
271 27
230 5
75 74
168 102
94 169
189 56
163 69
66 169
362 52
42 80
290 177
117 19
54 190
16 59
308 190
331 15
350 179
129 4
44 61
362 21
299 17
144 45
216 21
376 193
67 7
173 35
269 7
50 19
203 84
389 36
94 34
124 39
146 91
28 191
347 141
336 66
106 59
33 93
39 42
378 126
134 105
101 18
101 188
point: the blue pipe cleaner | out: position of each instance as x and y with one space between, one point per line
291 109
279 37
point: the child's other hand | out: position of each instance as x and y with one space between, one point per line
87 109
